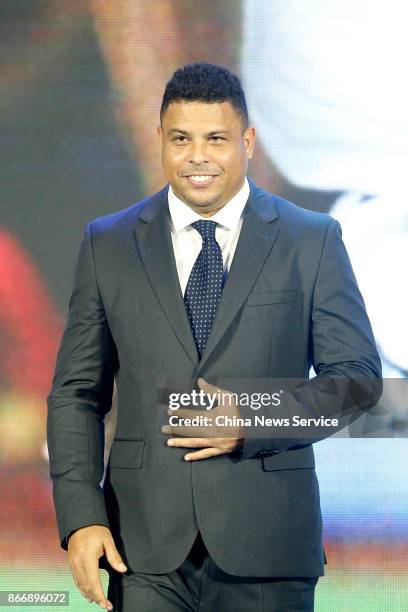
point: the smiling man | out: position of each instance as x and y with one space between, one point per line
211 278
205 151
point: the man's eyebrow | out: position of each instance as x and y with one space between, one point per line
173 130
185 133
218 132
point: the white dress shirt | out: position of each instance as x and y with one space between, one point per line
187 242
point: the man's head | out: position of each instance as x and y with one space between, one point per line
204 133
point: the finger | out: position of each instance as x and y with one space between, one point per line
113 557
93 586
226 445
186 413
203 454
83 589
211 430
79 576
186 430
208 387
189 442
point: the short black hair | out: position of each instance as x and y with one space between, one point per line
205 83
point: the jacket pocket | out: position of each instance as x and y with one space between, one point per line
127 453
272 297
300 458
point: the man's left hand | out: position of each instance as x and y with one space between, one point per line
212 439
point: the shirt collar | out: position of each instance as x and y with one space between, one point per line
229 215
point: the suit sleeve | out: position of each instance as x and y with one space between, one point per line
343 354
80 397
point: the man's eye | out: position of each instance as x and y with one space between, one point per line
179 138
217 138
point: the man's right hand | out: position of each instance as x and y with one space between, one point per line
85 547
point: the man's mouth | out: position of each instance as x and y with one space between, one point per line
201 180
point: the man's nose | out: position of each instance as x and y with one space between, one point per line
199 153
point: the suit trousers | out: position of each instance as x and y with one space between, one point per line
199 585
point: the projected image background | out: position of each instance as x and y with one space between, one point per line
80 89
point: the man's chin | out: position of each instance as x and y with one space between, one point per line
201 200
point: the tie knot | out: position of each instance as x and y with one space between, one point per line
205 228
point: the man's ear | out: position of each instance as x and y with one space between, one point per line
159 132
249 140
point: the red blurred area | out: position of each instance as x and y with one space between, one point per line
30 327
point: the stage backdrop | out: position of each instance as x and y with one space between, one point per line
81 85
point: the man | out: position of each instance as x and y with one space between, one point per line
211 279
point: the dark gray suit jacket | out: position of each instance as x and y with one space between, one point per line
290 301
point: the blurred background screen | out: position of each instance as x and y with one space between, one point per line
80 90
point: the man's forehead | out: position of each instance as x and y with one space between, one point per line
196 108
208 116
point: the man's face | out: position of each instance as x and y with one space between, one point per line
205 152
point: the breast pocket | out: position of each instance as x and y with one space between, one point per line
272 297
127 454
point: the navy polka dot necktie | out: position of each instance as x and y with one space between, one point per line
203 291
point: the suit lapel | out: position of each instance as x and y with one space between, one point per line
255 242
156 252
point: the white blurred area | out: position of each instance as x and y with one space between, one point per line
327 90
376 235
